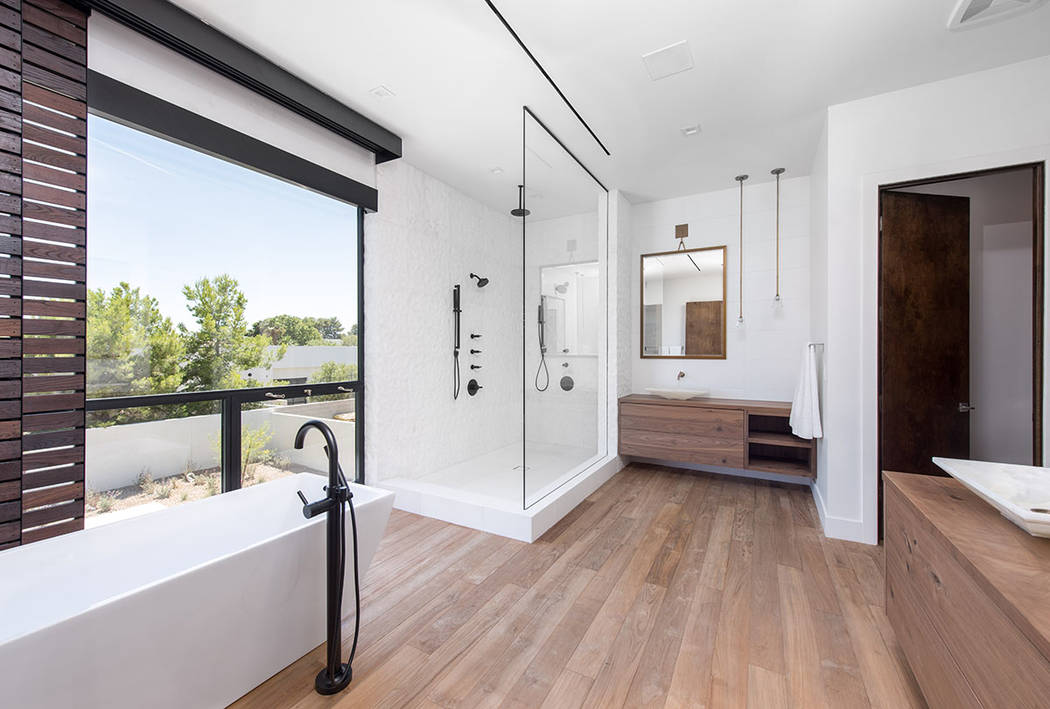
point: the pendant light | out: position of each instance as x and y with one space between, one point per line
778 172
740 251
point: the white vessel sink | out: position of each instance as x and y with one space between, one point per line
1021 493
676 393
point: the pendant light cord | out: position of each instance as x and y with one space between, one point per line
740 313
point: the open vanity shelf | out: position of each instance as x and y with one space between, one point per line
732 433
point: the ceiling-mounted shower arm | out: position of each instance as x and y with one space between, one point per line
520 210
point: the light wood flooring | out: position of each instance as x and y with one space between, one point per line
664 588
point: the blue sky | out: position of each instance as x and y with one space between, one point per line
161 216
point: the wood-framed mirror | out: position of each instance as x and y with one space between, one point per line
683 301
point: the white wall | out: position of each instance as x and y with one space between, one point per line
425 238
1000 312
303 360
818 297
131 58
763 355
981 120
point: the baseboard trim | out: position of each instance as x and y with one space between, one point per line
850 530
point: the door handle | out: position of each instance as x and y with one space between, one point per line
965 407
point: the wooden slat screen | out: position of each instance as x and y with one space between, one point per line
49 264
10 273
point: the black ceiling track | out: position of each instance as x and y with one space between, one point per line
176 29
547 77
563 146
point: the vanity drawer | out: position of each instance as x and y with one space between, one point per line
701 450
686 420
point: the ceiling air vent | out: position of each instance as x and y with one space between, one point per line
974 13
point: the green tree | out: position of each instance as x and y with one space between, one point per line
330 328
288 330
334 372
221 346
131 347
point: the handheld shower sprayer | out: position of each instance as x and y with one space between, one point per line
456 310
541 321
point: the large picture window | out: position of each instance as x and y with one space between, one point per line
222 314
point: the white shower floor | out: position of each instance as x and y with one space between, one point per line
498 474
485 492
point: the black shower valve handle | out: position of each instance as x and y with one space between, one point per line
475 352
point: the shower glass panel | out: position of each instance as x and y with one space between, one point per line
565 315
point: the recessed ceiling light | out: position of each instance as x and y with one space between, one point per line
691 130
496 171
382 92
670 60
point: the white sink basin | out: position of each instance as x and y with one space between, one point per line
676 393
1021 493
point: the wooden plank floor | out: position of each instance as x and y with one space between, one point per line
663 589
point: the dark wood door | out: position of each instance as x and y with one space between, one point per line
924 330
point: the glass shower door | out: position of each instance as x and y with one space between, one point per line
565 315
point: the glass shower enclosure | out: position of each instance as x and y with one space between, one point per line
563 217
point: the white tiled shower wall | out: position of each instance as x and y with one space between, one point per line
425 238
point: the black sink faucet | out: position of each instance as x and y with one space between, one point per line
336 675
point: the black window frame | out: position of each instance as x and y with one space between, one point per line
118 102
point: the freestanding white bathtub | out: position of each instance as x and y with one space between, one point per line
191 606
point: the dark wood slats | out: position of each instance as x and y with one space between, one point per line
48 422
40 533
65 235
54 195
54 308
52 402
53 295
52 327
42 269
56 215
32 14
54 176
54 476
51 458
54 139
52 439
50 289
49 365
53 345
58 121
51 252
54 513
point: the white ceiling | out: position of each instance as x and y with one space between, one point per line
764 72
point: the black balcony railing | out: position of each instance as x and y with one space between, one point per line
231 403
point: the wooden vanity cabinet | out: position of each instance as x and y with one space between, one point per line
730 433
968 596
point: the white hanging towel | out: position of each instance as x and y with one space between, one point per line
805 407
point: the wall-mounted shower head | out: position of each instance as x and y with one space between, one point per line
520 211
482 282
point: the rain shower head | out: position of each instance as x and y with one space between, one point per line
520 210
482 282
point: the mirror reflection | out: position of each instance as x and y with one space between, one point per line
569 302
684 304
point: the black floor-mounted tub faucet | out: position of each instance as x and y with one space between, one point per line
336 675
